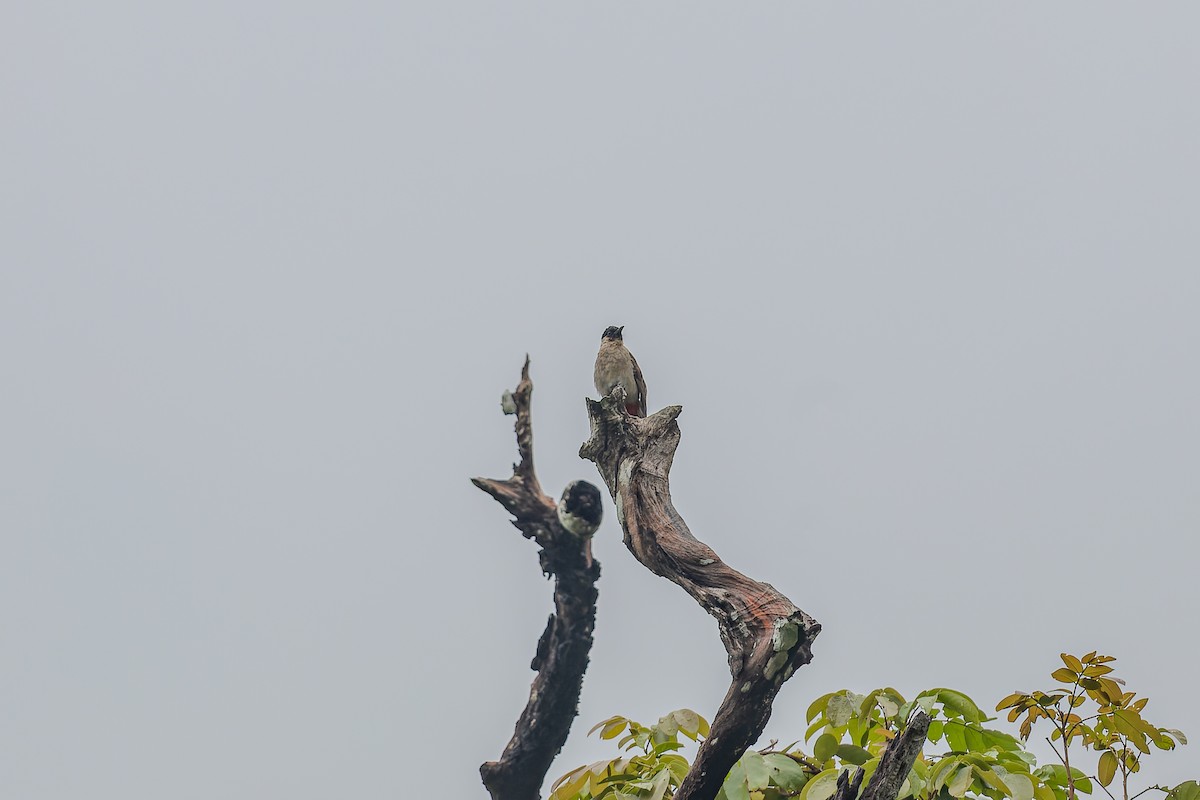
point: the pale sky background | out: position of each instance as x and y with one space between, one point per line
924 277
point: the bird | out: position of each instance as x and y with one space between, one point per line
615 365
580 509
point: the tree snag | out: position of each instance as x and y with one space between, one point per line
897 760
765 635
562 651
893 767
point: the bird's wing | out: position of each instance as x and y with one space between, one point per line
640 382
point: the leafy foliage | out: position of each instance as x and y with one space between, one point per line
653 773
1114 727
849 731
852 730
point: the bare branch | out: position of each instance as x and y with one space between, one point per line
897 760
562 651
766 636
847 786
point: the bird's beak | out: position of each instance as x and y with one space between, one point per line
621 330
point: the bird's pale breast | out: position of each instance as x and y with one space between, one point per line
613 366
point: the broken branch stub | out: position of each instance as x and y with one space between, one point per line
766 636
897 760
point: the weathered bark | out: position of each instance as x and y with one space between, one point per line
892 769
562 652
765 635
848 784
897 760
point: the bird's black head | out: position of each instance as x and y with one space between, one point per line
613 332
581 500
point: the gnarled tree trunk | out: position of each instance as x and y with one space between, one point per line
765 635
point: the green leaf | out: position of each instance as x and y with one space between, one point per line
1056 775
677 764
662 781
758 774
942 772
1107 768
998 740
960 704
1130 723
688 721
935 730
1063 675
735 787
990 778
1020 787
606 723
817 706
785 772
1188 790
852 754
1073 663
667 725
569 785
1013 699
826 746
974 739
820 786
955 737
961 781
839 710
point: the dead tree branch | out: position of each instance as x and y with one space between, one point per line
897 760
562 651
893 768
765 635
848 784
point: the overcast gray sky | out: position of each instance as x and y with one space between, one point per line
924 277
